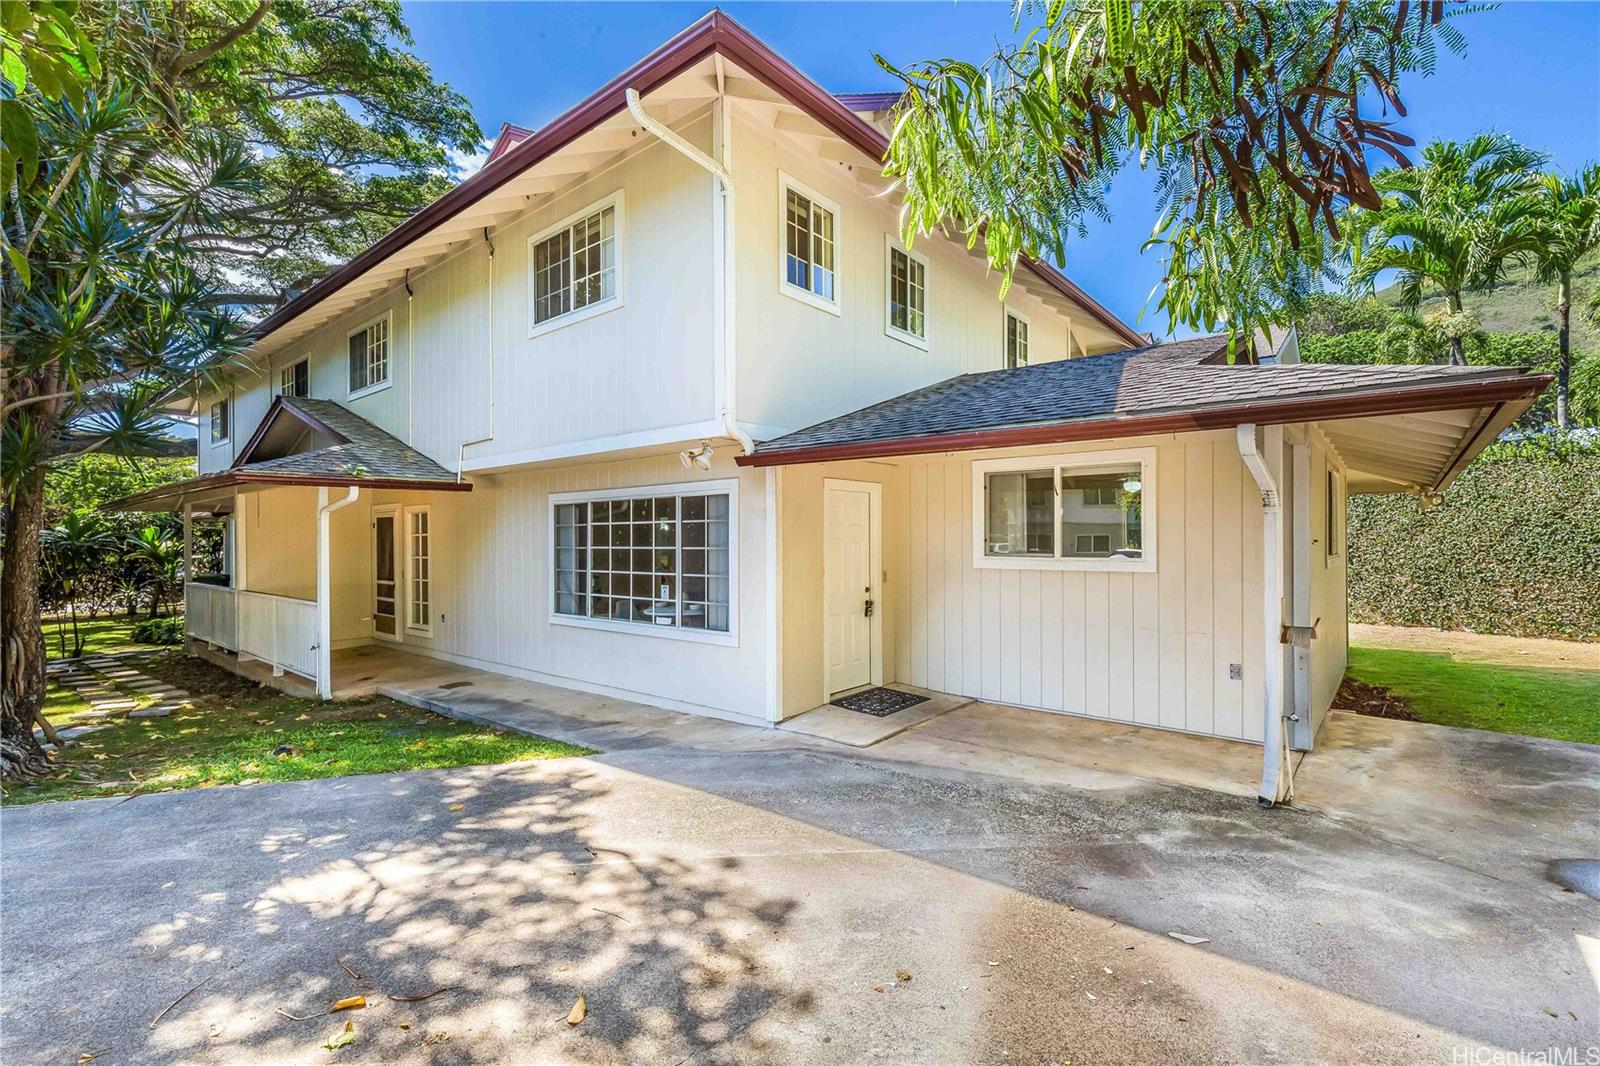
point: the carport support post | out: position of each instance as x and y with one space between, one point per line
325 588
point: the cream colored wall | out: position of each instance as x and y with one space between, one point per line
647 364
1152 649
1331 650
798 364
279 527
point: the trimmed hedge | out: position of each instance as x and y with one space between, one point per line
1514 549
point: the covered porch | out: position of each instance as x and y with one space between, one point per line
306 578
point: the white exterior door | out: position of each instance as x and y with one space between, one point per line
849 580
385 587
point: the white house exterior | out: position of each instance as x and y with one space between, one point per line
612 385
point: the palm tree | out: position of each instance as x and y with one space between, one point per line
1567 227
1450 224
71 549
160 555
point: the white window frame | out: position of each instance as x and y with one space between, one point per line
1334 521
1005 336
834 306
211 421
728 486
891 246
387 318
288 368
614 302
407 513
1148 518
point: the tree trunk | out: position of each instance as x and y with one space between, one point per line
1458 351
22 673
1564 366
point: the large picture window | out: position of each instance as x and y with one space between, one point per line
661 558
1088 511
575 265
369 357
809 244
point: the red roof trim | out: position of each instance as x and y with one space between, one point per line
222 479
714 32
265 424
1404 400
509 137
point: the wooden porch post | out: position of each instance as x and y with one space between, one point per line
324 589
188 543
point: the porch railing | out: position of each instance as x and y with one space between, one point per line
280 630
209 614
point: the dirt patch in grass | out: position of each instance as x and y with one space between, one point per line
234 728
1373 700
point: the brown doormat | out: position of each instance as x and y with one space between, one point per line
879 702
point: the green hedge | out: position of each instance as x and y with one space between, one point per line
1514 549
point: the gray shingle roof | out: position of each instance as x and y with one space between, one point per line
367 451
1176 377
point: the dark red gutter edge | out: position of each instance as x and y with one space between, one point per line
225 478
714 32
1270 412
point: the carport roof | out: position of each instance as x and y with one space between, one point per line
1168 388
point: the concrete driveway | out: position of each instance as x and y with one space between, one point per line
719 893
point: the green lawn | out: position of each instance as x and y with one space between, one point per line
230 737
100 636
1559 704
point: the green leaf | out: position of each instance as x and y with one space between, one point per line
19 263
11 65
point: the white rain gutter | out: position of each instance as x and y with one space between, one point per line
725 264
325 588
1277 780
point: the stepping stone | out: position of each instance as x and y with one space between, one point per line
97 715
73 732
157 711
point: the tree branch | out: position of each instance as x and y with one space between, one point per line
200 55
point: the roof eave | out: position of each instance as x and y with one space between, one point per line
1498 391
178 491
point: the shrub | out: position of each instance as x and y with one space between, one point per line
1514 548
159 631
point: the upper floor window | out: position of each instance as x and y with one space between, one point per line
1081 511
574 263
295 380
907 305
1016 340
809 244
369 356
219 422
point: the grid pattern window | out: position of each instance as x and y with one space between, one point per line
295 380
369 356
576 267
808 246
908 294
1016 341
419 578
649 560
1066 511
219 421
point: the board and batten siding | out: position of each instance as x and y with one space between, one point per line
1331 650
1145 648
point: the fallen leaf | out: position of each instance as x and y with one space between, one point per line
579 1011
382 715
1187 939
902 976
436 1038
457 806
877 988
348 1004
302 717
88 1056
1550 1012
405 1025
345 1036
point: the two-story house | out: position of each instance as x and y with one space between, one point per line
659 405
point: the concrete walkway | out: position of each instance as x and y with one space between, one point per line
725 893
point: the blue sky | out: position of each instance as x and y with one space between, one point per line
1532 69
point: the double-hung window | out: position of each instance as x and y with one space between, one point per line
574 264
659 557
1016 340
369 357
295 380
809 245
219 422
906 295
1081 511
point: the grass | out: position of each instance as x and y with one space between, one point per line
230 736
1558 704
101 636
1519 303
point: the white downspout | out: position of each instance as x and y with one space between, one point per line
1277 780
725 267
325 588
